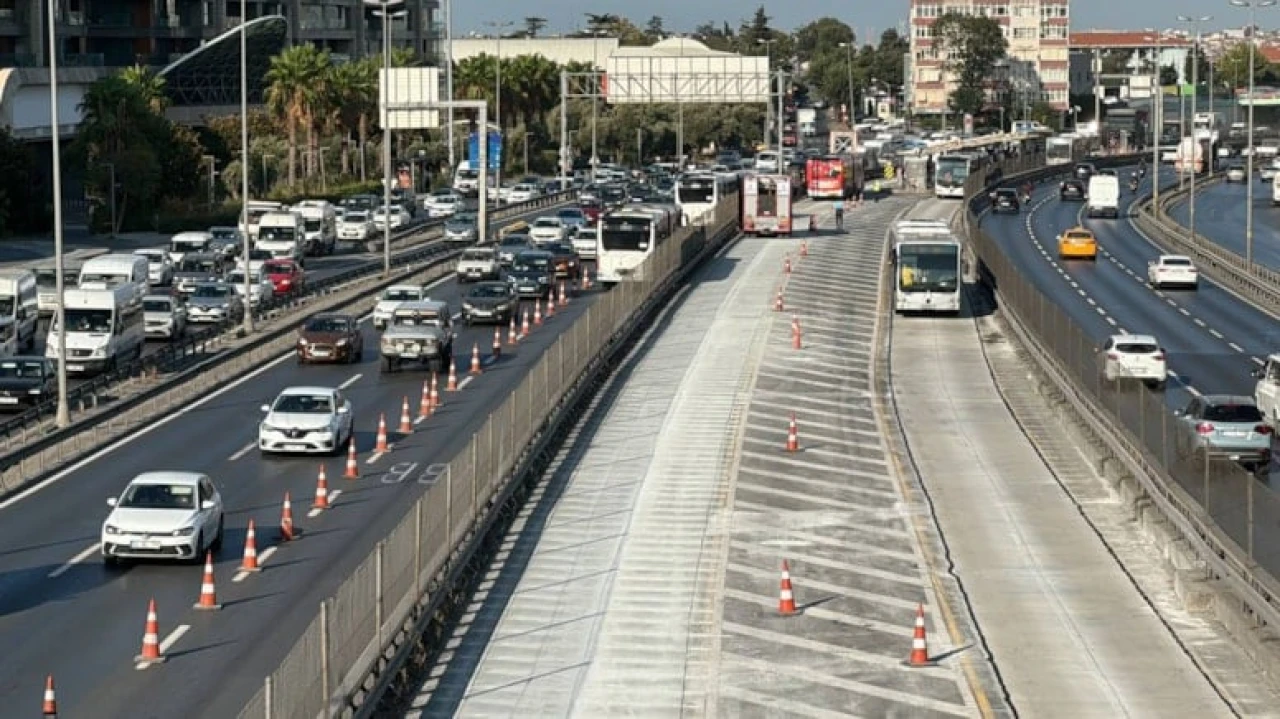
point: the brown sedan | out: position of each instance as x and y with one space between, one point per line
330 337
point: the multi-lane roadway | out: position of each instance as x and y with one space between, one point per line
62 612
1220 216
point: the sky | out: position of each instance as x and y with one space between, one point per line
868 17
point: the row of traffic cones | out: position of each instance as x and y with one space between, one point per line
919 656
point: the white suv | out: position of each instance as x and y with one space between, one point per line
548 229
1137 357
1167 270
306 420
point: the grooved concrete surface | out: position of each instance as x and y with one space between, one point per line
1070 633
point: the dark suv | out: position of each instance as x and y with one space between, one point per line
1073 190
1005 199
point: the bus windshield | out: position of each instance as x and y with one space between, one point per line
695 192
1059 151
618 236
952 171
928 268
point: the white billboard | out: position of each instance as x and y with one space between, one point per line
410 89
711 78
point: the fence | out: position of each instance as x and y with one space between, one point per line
1205 490
346 640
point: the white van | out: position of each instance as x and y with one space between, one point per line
1275 189
111 271
19 309
768 162
185 243
282 234
104 328
319 226
256 209
1103 196
47 277
466 181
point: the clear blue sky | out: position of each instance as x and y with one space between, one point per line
682 15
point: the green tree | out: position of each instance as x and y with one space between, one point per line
655 28
534 25
20 206
978 44
1168 74
1198 61
150 85
821 36
1232 67
295 85
1115 62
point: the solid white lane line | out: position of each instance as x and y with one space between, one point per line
462 383
354 378
242 451
83 555
173 637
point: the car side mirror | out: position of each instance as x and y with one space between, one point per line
112 501
207 504
265 408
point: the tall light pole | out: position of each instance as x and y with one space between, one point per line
1097 94
1195 22
245 248
386 9
595 99
848 69
1157 119
499 27
1252 6
63 418
768 106
448 79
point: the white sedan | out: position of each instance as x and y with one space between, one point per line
548 229
307 420
260 288
1172 270
164 515
399 217
443 203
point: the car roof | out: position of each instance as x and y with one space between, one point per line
409 286
150 251
1135 339
547 218
1175 257
1079 229
171 298
438 306
1236 399
168 477
331 316
306 390
535 253
515 239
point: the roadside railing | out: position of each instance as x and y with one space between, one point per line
411 246
1229 518
404 577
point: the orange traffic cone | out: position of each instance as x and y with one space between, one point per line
777 301
796 342
150 638
208 596
551 304
564 295
381 447
435 392
497 342
786 599
537 311
452 384
287 532
524 325
250 561
322 491
512 337
406 422
793 435
50 707
424 403
586 280
353 465
804 248
786 265
475 359
919 644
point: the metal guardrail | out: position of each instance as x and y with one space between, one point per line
408 574
181 354
1229 519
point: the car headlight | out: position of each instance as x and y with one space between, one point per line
269 428
184 532
110 529
35 391
468 306
302 341
342 342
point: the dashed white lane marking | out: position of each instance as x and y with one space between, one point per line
263 556
1235 347
333 499
350 381
462 383
83 555
166 644
242 451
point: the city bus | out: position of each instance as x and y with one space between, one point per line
766 205
950 174
927 268
626 237
698 194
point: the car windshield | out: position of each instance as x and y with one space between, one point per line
1232 413
89 320
1079 236
26 369
214 291
1177 262
1137 348
513 245
527 263
477 255
413 319
159 496
157 306
154 257
1006 193
571 214
259 255
303 404
355 217
327 324
223 233
197 266
278 268
586 235
546 223
401 295
237 278
489 291
460 223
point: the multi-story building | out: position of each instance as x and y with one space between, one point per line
115 33
1036 65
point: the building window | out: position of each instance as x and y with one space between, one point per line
1053 32
928 11
924 31
1048 11
1024 33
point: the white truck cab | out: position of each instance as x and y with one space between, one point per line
185 243
283 234
1266 393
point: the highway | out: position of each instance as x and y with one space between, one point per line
63 613
1220 216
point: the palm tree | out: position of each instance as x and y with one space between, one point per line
294 81
352 89
150 86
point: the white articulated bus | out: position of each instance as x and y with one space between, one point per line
950 174
927 267
628 236
698 194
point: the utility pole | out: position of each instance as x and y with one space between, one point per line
1195 93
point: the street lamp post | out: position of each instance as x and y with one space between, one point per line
848 69
1252 6
595 100
499 26
448 79
1157 119
60 316
386 9
245 248
768 106
1194 22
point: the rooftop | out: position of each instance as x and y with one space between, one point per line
1104 39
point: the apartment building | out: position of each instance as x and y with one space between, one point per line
116 33
1037 64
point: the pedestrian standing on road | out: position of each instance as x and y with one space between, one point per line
838 208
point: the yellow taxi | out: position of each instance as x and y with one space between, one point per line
1078 243
519 227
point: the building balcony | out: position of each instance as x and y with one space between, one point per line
19 59
88 59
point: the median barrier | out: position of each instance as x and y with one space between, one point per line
1229 519
365 633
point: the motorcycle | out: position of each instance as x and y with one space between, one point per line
1133 185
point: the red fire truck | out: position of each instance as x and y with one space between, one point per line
766 205
831 177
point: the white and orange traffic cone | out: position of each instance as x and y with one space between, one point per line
786 265
512 337
435 392
586 280
475 359
249 563
524 325
551 304
804 248
452 384
786 598
424 402
537 311
352 470
497 342
406 422
564 295
382 446
50 706
150 639
796 340
777 301
287 531
919 643
793 435
322 491
208 595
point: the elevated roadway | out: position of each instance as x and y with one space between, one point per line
1220 216
62 612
